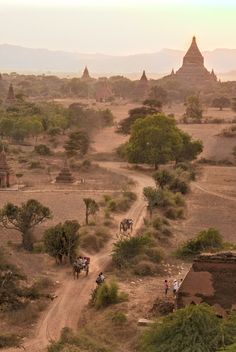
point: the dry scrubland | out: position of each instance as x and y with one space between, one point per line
211 203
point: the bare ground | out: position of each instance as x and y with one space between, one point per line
211 203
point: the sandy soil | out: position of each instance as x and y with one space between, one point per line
212 203
74 295
209 204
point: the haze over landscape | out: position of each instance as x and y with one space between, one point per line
117 175
90 32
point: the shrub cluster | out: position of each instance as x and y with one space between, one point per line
105 295
176 180
120 203
76 342
10 340
207 240
42 149
93 239
138 253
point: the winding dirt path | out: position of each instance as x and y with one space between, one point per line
73 295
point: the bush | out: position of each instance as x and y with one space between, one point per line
154 254
54 131
174 213
125 250
119 318
166 198
195 328
145 268
120 203
188 168
179 185
10 340
157 223
105 295
130 195
112 205
176 180
42 149
69 341
93 240
210 240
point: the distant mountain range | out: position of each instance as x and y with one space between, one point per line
16 58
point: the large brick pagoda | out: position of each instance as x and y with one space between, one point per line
193 70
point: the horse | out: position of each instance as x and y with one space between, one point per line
78 267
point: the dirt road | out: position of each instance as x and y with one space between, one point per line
73 295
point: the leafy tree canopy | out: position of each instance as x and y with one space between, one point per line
195 328
62 240
24 218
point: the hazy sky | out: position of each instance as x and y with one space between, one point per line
118 26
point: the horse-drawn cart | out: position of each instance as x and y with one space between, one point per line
79 265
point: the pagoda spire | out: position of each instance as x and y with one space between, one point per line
193 55
143 78
85 74
11 94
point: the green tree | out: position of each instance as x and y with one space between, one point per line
189 150
24 218
163 178
221 102
91 208
78 143
35 127
141 112
154 140
193 108
151 196
195 328
6 127
62 240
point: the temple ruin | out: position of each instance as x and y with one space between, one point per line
65 175
193 70
211 280
10 95
5 171
143 78
85 76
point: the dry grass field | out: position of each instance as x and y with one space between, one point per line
211 203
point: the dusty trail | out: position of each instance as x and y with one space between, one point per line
218 195
73 295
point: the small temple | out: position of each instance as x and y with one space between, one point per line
143 78
193 70
10 95
65 175
5 170
85 76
